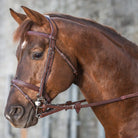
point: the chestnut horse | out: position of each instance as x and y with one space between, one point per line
106 64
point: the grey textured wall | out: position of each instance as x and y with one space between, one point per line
119 14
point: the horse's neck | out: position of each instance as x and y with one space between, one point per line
105 69
107 72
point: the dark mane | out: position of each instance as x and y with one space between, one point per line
22 29
106 29
108 32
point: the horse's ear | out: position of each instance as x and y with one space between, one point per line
19 18
35 16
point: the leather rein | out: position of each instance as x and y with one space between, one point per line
42 105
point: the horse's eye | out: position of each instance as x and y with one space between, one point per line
37 55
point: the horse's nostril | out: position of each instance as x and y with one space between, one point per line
16 112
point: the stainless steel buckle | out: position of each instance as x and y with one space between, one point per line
38 103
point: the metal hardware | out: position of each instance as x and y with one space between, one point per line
38 103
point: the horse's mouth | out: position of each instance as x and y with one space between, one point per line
32 120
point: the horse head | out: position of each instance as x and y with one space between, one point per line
32 55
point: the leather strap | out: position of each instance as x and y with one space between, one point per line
25 95
67 60
77 105
49 36
24 84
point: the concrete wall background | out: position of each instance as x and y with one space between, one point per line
119 14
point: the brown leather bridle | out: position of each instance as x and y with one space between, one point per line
42 105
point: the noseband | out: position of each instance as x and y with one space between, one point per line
42 105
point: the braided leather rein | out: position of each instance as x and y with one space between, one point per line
42 105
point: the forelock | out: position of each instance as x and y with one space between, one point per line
22 29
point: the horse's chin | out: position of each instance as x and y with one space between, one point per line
32 120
